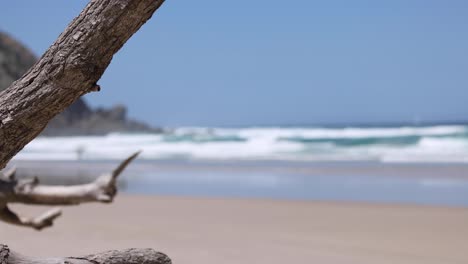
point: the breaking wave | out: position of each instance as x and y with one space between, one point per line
394 144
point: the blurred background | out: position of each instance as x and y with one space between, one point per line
344 102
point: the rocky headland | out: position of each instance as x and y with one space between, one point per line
79 118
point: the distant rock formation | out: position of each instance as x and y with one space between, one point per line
79 118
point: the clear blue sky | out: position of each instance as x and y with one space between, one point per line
229 63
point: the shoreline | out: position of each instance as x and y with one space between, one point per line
433 184
364 168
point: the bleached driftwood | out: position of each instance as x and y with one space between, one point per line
29 191
128 256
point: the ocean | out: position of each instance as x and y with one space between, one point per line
406 165
425 144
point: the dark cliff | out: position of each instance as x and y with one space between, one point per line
79 118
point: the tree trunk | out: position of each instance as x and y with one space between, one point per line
69 69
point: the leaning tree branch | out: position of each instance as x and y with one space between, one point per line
128 256
70 68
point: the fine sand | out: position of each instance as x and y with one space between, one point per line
234 231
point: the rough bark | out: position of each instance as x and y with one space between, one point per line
128 256
69 69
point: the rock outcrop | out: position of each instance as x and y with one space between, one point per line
79 118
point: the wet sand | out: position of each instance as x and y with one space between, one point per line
233 231
88 169
428 184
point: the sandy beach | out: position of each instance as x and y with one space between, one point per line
202 230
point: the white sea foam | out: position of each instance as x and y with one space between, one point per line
431 150
349 132
398 144
443 183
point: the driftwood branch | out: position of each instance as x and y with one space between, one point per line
29 191
70 68
128 256
103 189
38 223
